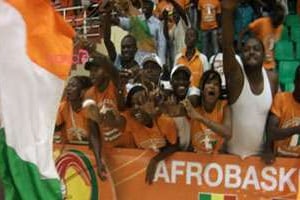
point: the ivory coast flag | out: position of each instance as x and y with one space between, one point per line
35 58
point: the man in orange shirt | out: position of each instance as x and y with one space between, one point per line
192 58
209 12
104 120
268 30
284 122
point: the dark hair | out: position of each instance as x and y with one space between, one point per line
252 37
277 15
208 76
149 2
84 81
130 94
193 29
129 36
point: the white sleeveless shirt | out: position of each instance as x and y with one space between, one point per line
249 116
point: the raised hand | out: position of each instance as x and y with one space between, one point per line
192 113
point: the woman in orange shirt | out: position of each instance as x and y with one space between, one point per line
211 121
157 133
71 126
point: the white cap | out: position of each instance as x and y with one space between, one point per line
166 85
193 91
130 86
180 67
152 57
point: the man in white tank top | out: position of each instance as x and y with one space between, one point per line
250 89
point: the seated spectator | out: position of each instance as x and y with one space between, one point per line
209 12
71 123
250 88
211 121
192 58
155 133
175 26
147 30
284 121
268 30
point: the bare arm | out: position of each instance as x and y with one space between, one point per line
232 69
223 129
163 154
96 146
273 79
181 11
107 33
276 133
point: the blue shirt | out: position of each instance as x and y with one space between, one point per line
244 15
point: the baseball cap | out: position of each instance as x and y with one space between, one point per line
178 68
153 58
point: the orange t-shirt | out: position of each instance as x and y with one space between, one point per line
75 129
287 109
204 140
209 10
163 130
195 65
107 101
183 3
161 6
263 29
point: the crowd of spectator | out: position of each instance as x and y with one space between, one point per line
165 94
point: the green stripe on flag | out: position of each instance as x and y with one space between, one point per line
21 179
204 196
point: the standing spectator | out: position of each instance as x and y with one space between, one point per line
175 26
284 121
211 121
147 30
128 61
268 30
192 58
209 12
250 88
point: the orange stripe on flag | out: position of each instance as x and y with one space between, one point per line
49 42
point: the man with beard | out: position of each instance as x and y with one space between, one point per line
250 88
284 122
